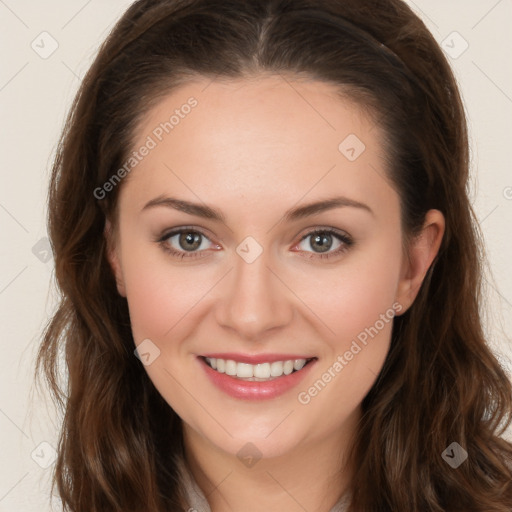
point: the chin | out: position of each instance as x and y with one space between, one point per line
250 438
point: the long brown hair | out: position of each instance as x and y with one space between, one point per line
440 383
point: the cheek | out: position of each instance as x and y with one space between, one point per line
359 309
352 297
159 294
357 303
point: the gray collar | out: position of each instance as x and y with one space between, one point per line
197 502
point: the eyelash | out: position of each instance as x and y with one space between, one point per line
347 243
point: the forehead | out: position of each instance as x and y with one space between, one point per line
260 138
262 106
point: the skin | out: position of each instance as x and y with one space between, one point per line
254 148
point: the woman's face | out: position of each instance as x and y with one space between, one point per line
255 283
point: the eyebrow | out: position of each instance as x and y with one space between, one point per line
209 212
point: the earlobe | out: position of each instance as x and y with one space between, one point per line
421 254
113 257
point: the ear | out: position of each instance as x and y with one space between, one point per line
113 257
421 253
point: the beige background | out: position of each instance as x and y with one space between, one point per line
35 94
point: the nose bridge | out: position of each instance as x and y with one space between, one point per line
255 299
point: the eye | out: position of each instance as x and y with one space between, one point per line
187 243
191 243
322 240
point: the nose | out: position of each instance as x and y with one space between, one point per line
255 300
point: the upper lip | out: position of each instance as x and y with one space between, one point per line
256 358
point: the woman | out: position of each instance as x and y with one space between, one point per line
270 269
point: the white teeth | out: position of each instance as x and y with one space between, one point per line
244 370
288 367
262 371
230 367
299 364
276 368
255 372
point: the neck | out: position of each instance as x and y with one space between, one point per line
312 477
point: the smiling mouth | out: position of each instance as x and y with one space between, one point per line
256 372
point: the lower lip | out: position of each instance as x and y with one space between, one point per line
253 390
